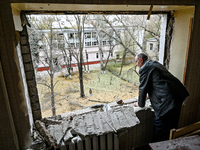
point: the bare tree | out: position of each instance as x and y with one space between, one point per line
34 45
51 59
80 20
133 33
98 24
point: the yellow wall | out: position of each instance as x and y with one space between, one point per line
180 42
16 19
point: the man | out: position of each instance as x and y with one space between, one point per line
166 94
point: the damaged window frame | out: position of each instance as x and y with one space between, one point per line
36 112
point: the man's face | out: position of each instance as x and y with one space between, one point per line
139 62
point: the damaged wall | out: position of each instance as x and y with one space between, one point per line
15 125
13 83
180 42
18 28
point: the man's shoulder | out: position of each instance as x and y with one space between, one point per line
151 64
148 65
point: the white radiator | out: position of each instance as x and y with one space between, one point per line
104 142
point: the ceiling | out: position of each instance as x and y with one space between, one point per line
83 7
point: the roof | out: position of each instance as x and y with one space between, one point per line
152 40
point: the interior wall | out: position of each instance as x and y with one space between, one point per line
16 19
7 128
13 86
180 42
18 27
191 108
13 81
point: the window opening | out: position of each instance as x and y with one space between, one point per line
150 46
62 56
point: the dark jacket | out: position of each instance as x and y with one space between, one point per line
165 91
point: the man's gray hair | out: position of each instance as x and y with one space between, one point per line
143 56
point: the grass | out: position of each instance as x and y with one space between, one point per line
105 88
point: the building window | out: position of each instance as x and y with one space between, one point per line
97 55
87 43
55 61
94 35
71 35
76 36
111 54
77 44
110 42
60 37
46 60
87 35
72 44
94 43
151 46
41 47
104 42
102 55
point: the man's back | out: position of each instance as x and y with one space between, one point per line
165 91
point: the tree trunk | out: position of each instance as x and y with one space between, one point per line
123 59
100 53
52 97
52 76
80 66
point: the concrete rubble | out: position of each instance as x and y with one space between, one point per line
95 120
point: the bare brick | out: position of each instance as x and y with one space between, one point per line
25 49
26 58
30 75
23 40
32 83
32 88
35 106
34 98
28 67
37 115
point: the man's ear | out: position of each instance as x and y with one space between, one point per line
142 60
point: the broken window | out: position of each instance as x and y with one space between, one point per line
62 46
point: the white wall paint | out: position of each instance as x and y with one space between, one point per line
26 94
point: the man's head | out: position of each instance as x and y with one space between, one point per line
140 59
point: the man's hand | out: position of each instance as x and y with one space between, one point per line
136 104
